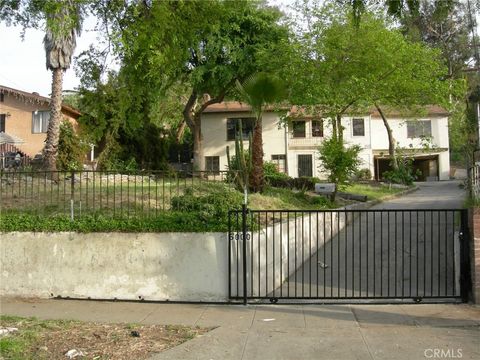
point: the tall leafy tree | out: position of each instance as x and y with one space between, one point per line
230 51
205 46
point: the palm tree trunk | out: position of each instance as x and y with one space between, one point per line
256 180
50 150
391 139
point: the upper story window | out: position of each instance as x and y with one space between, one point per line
358 127
40 120
233 127
298 127
2 122
317 128
419 129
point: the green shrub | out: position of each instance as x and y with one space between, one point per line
208 207
165 221
340 162
363 174
71 150
405 174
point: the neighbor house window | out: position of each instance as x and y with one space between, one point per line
233 128
212 164
419 129
279 161
298 128
2 122
40 120
358 126
317 128
2 97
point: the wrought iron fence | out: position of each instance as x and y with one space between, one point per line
348 255
78 193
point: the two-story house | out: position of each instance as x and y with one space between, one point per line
293 144
24 120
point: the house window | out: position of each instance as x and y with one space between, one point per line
2 97
298 128
40 120
212 164
279 161
233 127
2 122
419 129
317 128
358 126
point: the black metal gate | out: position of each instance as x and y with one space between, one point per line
349 255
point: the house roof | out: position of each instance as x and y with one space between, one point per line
35 98
235 106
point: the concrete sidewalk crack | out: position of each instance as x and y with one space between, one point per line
361 334
248 333
201 315
146 316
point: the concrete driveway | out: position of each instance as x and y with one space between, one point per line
430 195
408 254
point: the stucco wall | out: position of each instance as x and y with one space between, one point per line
161 266
19 123
375 139
214 131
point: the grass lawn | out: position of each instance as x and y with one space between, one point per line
281 199
52 339
373 192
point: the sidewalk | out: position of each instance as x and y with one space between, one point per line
288 331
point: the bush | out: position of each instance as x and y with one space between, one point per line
213 206
363 174
405 174
71 151
165 221
339 161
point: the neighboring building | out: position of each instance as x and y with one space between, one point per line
294 147
24 118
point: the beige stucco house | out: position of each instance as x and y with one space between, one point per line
293 145
24 119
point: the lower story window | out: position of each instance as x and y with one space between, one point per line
279 161
212 164
2 122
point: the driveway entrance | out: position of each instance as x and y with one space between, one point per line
397 254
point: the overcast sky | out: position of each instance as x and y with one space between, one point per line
22 63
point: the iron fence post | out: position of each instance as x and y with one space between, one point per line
72 189
244 250
465 275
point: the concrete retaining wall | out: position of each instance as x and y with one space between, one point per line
154 266
160 266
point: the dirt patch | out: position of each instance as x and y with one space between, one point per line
52 339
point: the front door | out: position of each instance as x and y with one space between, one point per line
305 165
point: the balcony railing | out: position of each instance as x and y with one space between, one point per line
308 140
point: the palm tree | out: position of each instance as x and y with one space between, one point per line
63 24
258 91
